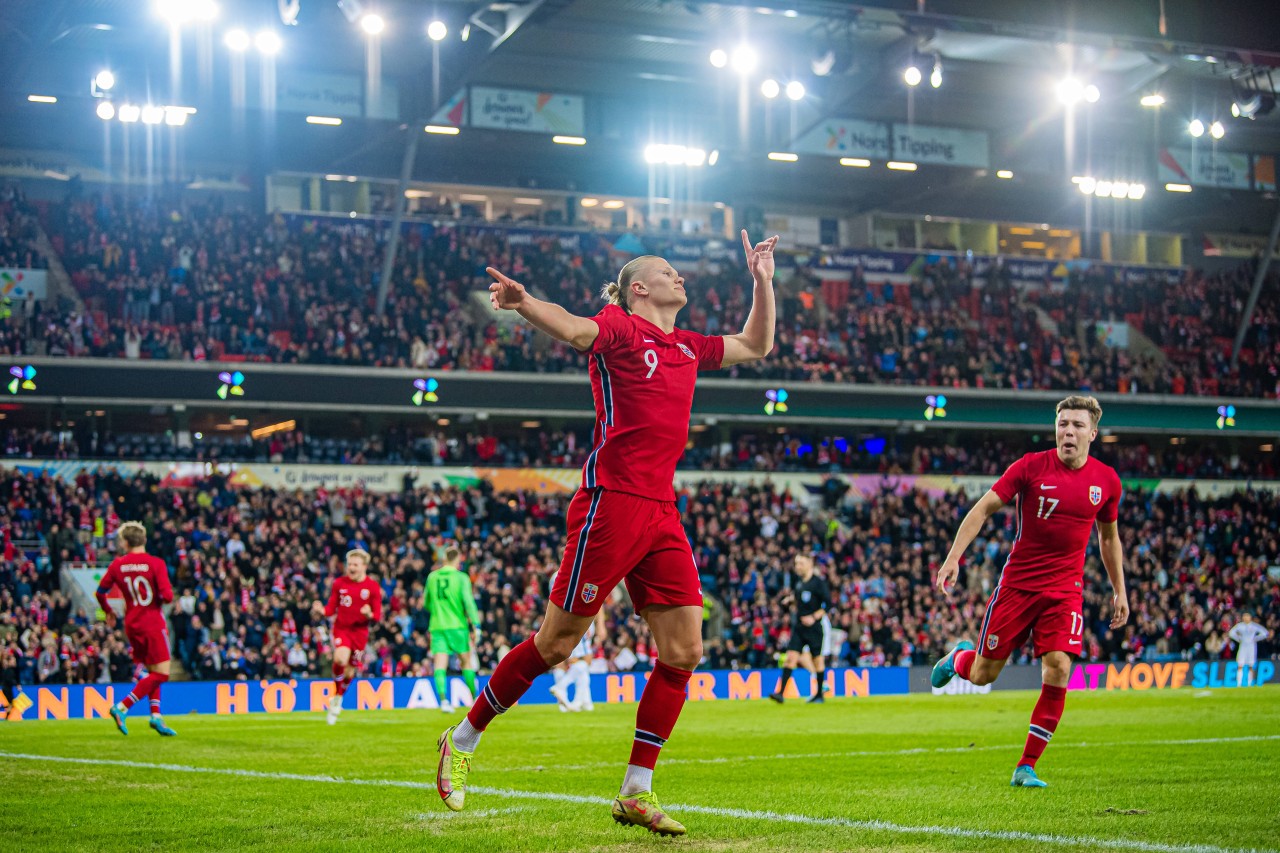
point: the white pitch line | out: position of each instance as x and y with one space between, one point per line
808 756
742 814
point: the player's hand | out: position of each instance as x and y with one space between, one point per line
367 611
505 293
1120 614
947 576
110 620
806 621
760 258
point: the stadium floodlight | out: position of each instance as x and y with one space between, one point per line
1070 91
674 155
268 43
770 88
130 113
795 90
175 116
1137 191
1092 93
1087 185
105 80
719 59
744 59
1120 189
42 99
151 114
912 75
237 40
373 24
436 30
1103 189
1216 130
178 12
106 111
1155 99
935 78
1196 128
713 157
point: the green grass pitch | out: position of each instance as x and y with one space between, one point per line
1172 771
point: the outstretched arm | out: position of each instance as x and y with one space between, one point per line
509 294
986 507
755 341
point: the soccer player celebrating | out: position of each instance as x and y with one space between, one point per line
623 522
354 601
454 623
144 582
810 627
1060 494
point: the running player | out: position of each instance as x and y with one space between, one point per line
576 670
810 628
354 602
144 582
455 623
623 522
1246 634
1060 494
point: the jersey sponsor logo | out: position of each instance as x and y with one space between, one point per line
1043 487
992 642
589 591
1095 495
684 349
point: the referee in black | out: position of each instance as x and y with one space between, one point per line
810 628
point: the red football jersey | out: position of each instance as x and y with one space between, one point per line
144 582
642 383
1056 508
347 598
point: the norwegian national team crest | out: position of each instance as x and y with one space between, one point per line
589 591
364 594
992 642
684 349
1095 495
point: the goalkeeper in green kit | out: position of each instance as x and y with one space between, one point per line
455 622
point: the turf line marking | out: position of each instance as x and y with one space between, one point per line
742 814
806 756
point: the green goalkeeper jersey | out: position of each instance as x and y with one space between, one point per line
449 600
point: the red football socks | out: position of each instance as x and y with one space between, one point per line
508 683
660 706
963 662
143 688
1044 722
155 700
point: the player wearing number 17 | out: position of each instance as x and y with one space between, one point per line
623 523
144 581
1059 495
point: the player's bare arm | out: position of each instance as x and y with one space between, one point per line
755 341
507 294
1113 562
986 507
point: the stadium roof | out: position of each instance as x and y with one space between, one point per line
642 67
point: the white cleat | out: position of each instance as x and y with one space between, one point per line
447 707
335 708
562 699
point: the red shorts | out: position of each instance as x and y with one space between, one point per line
351 638
1054 619
149 646
613 536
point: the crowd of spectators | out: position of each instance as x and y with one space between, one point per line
206 281
247 564
18 230
737 450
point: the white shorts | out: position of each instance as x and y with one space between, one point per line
583 649
1247 658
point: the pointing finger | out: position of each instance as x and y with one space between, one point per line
746 244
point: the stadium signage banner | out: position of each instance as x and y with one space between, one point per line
224 698
1206 167
16 283
944 146
1012 677
536 112
847 138
340 95
1160 676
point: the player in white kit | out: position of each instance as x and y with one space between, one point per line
576 670
1246 634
